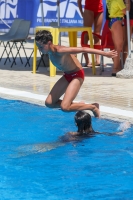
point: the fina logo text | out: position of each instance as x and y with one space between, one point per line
68 8
8 8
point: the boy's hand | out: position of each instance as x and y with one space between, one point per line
111 54
96 110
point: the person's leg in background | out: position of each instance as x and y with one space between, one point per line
88 18
125 47
118 39
98 20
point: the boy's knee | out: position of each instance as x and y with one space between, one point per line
64 107
48 104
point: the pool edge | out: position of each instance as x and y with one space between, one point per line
106 112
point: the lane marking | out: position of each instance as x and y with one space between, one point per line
106 109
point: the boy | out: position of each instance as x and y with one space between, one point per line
69 84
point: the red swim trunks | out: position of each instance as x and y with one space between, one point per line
94 5
78 74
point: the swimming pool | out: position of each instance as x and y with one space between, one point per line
96 168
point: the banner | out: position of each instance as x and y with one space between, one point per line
31 10
69 13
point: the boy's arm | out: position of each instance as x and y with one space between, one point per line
76 50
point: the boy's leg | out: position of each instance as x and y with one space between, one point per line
53 99
72 90
97 29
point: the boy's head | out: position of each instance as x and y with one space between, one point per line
83 122
43 37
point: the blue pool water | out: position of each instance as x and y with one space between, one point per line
100 167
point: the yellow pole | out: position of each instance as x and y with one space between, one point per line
73 38
34 58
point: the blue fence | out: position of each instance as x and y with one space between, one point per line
31 10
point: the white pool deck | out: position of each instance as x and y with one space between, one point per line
114 95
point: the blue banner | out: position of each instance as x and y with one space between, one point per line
31 10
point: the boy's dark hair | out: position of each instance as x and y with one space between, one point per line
43 37
83 122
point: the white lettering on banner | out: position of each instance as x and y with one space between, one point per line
39 20
7 21
2 9
72 9
46 20
47 7
66 21
8 8
80 21
63 6
68 8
